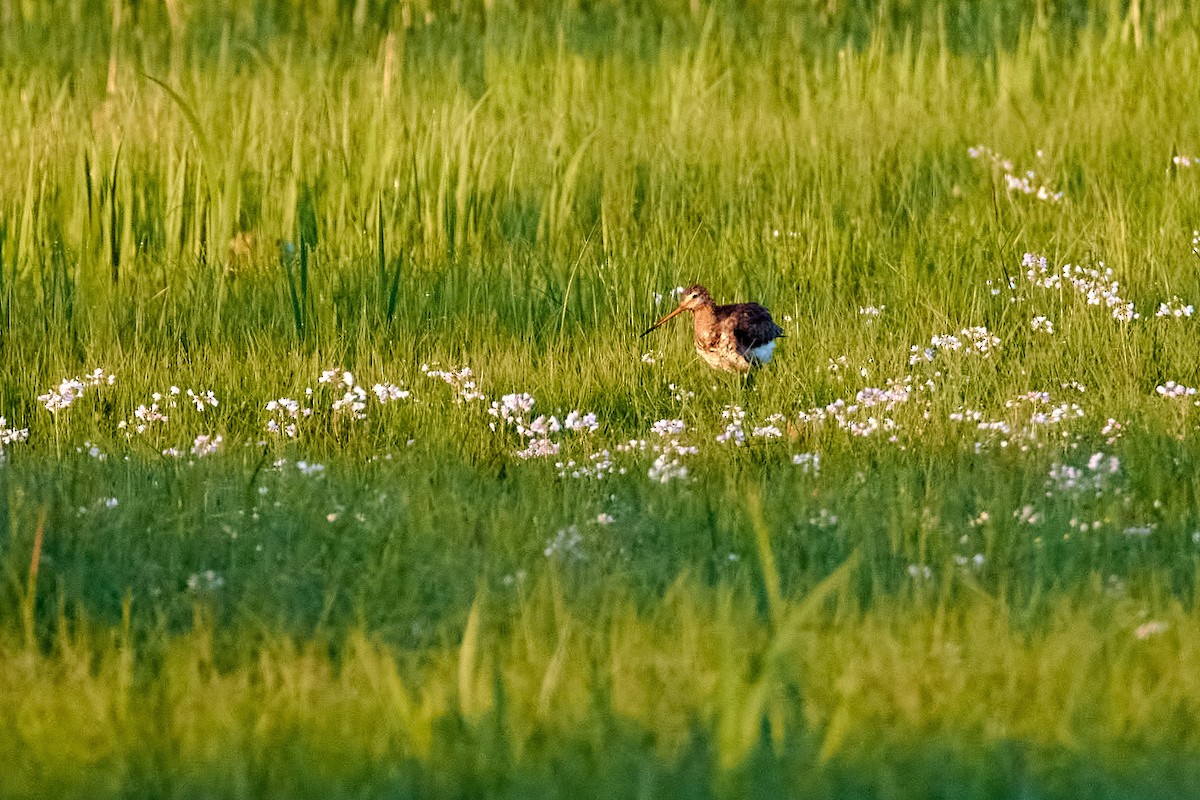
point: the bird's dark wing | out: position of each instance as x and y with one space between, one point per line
752 324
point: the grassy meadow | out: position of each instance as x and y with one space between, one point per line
333 463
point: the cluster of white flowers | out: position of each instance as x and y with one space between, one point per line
1034 420
1148 629
1024 182
1040 414
919 572
977 339
981 151
286 412
1185 161
1174 390
668 465
1094 477
205 582
1175 308
206 445
1042 324
995 289
93 451
202 399
71 389
512 410
871 311
461 380
667 468
668 427
512 407
1027 515
1029 183
539 448
824 519
809 463
1095 284
147 416
895 393
101 502
733 433
770 430
390 392
567 545
679 394
974 562
62 397
581 422
861 417
353 402
11 435
350 400
990 427
599 465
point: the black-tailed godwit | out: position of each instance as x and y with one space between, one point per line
733 338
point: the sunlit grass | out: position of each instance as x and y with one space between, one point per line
947 548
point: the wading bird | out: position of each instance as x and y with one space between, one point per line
733 338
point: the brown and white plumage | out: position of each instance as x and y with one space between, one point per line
733 338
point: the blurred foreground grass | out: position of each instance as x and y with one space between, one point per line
978 582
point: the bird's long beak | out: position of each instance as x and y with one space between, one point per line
679 310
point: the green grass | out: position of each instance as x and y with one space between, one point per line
236 198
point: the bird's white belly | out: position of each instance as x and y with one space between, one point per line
761 354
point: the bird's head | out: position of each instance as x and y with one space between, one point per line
693 298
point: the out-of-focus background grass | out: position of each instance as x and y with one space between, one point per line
911 559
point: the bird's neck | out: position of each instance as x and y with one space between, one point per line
703 318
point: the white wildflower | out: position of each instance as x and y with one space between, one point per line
809 463
567 544
667 468
575 421
388 392
205 582
1175 309
1148 629
206 445
668 427
1171 389
11 435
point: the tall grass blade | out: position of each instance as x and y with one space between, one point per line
766 556
193 119
287 260
468 654
116 219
